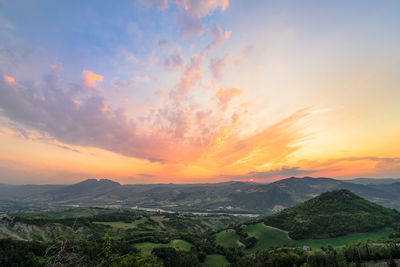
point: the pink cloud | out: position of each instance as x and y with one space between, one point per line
225 96
160 4
217 65
173 61
181 132
191 76
90 79
218 37
201 8
53 66
133 82
190 26
243 55
192 11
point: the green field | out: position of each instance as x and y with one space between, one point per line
124 225
266 236
343 240
181 244
147 247
215 260
228 238
270 237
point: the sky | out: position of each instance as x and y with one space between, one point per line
194 91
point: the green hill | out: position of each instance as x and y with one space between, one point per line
332 214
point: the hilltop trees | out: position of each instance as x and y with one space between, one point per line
332 214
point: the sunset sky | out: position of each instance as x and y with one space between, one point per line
188 91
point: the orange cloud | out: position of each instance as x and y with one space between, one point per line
274 144
8 79
225 4
89 79
228 34
106 108
350 166
224 96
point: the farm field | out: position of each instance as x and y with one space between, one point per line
376 235
228 238
147 247
272 237
266 236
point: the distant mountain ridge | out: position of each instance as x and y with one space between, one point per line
233 197
366 181
332 214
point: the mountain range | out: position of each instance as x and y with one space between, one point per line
233 197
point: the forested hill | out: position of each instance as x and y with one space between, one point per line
332 214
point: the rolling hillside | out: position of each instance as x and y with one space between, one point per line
332 214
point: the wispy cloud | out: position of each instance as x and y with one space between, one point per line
370 166
190 13
218 37
217 64
225 96
173 61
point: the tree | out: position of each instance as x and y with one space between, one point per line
105 254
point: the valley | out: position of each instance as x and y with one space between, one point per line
331 221
228 197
